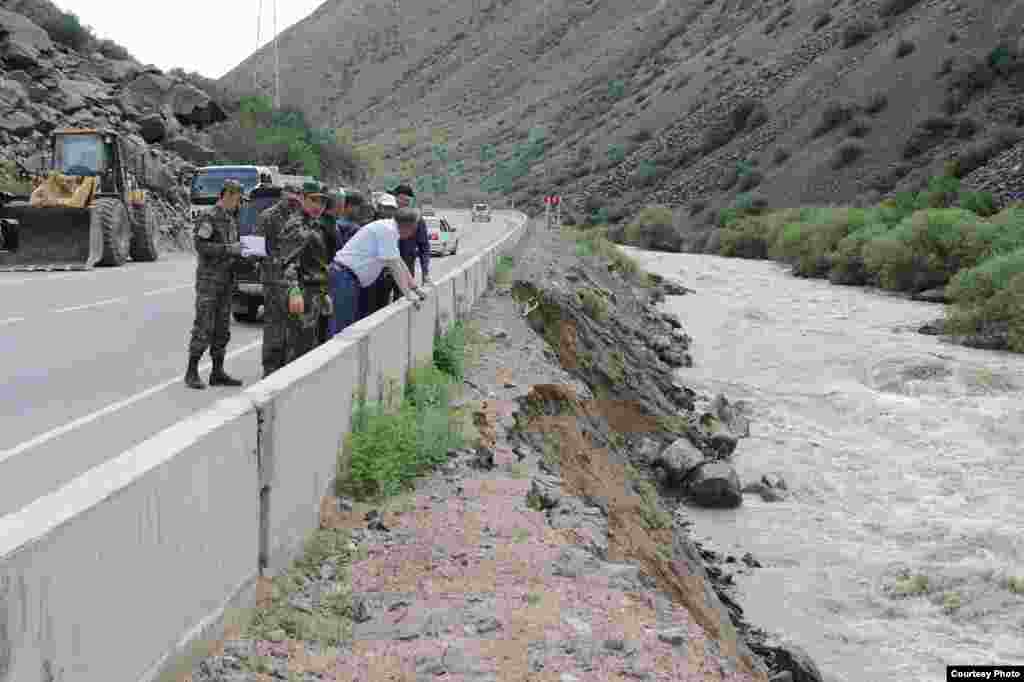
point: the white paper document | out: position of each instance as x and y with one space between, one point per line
254 246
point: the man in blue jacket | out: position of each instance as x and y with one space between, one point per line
419 246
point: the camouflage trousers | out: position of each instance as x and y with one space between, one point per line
285 336
212 327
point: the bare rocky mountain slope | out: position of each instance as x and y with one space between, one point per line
818 100
46 84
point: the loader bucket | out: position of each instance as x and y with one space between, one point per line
50 238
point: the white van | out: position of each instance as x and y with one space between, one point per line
481 213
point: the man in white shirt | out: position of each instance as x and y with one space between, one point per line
360 262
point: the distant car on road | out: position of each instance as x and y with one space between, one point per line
444 239
481 213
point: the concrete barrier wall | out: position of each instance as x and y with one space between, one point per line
111 576
102 577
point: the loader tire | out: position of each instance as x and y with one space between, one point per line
111 216
143 248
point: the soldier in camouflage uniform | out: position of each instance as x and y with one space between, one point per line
329 232
275 294
217 248
298 255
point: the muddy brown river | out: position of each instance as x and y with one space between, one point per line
904 456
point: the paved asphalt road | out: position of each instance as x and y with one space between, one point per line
92 362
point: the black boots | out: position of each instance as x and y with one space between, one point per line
192 379
218 377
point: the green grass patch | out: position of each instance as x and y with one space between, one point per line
593 303
503 270
450 351
330 622
595 243
518 470
651 513
393 441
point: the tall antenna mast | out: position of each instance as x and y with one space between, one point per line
255 69
277 64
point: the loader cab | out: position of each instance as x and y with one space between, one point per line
86 152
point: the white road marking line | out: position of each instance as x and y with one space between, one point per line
113 407
108 301
11 320
110 409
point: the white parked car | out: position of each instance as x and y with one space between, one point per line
444 239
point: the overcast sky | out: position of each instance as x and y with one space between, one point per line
208 36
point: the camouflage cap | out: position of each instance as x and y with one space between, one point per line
232 185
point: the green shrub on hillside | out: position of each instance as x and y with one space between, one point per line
993 291
892 8
846 153
747 115
904 48
876 103
889 260
982 203
847 260
1008 232
950 239
283 138
754 236
858 32
973 286
927 249
834 115
943 191
983 151
67 30
111 50
746 204
807 243
654 228
821 21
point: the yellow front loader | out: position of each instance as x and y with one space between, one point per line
88 208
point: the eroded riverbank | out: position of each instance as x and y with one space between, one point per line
902 454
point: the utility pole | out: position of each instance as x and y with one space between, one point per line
255 71
277 65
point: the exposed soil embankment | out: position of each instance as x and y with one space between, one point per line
642 429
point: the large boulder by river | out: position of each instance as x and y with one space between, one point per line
715 484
